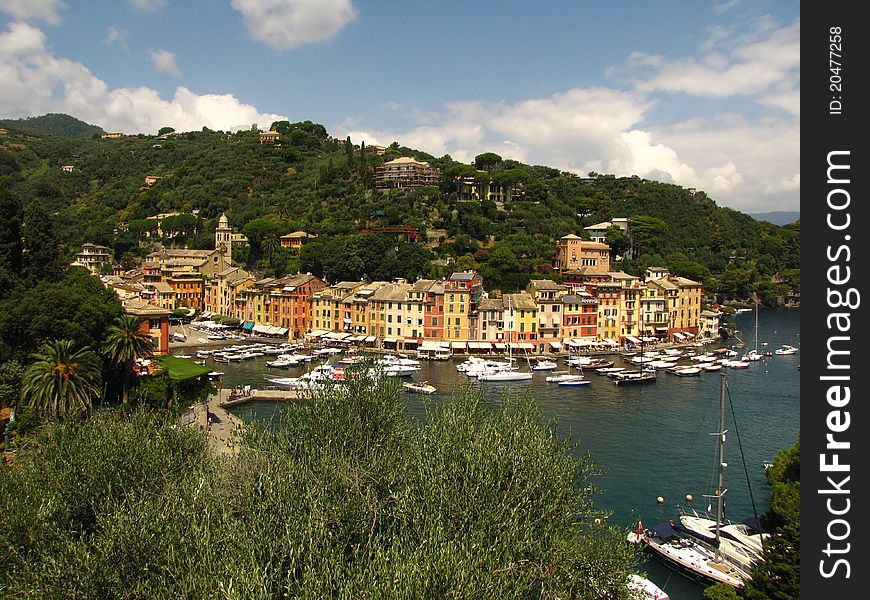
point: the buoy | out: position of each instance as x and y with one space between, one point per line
598 521
689 497
660 500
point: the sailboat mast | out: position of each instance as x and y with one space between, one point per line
720 492
756 327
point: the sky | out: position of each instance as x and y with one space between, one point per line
701 94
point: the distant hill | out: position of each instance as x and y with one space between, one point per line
777 217
53 124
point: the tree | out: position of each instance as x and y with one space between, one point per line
126 342
77 307
11 247
487 160
271 244
62 381
165 130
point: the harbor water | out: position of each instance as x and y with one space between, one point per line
651 440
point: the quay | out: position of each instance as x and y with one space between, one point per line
230 397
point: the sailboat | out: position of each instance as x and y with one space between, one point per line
511 374
754 354
709 560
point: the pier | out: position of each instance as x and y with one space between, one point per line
230 397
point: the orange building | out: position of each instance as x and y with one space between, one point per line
573 252
154 321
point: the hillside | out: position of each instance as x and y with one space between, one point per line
317 184
53 124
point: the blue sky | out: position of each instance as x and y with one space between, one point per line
702 94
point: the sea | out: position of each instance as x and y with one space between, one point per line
652 441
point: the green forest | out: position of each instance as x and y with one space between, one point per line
313 182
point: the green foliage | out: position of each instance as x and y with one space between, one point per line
125 343
346 497
310 182
62 381
77 307
53 124
778 576
10 382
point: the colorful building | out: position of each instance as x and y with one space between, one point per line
573 252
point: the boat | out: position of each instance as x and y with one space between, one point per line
785 349
280 363
736 364
544 365
641 588
511 373
422 387
609 370
694 553
505 375
574 380
754 354
632 377
686 371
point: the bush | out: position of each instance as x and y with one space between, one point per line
347 497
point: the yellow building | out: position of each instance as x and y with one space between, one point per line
522 315
461 291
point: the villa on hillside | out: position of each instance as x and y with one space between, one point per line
573 252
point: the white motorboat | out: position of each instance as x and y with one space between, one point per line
576 380
544 365
785 349
505 375
687 371
422 387
609 370
641 588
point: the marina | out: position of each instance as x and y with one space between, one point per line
646 437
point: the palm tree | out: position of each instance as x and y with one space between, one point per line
62 381
271 243
125 343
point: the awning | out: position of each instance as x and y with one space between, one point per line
499 345
369 339
479 346
261 328
679 335
556 345
579 342
524 346
248 325
457 345
610 342
688 334
411 343
430 346
316 333
390 340
632 339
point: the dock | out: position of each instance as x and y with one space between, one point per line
236 396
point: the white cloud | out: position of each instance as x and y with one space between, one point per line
115 35
763 62
741 163
45 10
35 82
148 5
164 61
284 24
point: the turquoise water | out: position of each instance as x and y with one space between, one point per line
652 439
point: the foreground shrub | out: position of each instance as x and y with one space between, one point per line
348 497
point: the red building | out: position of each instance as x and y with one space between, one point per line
153 321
